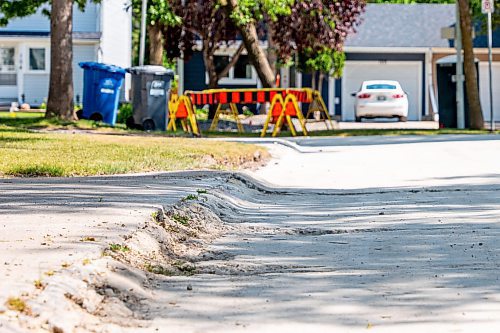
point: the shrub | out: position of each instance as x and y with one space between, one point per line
124 113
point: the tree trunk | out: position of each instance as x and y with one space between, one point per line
60 100
320 81
256 55
475 113
213 78
155 45
313 80
272 56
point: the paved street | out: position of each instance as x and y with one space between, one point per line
389 234
387 162
384 233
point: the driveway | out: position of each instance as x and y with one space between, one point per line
387 234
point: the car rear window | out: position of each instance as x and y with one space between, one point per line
380 86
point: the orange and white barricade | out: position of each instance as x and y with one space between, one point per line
181 108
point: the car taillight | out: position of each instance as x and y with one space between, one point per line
398 96
363 96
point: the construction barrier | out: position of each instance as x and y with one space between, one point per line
180 108
284 105
282 109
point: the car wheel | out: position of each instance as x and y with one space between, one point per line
403 119
358 119
148 125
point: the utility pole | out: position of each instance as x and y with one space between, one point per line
142 47
490 64
488 7
459 77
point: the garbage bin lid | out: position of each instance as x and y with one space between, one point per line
151 69
102 67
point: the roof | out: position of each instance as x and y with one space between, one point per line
398 25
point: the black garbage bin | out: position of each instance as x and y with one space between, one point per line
150 91
447 92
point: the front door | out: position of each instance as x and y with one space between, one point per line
8 73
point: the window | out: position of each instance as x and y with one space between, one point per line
241 73
380 86
220 63
243 69
37 59
7 62
8 79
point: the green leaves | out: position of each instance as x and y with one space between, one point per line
10 9
20 8
256 10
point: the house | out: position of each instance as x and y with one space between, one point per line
103 33
394 41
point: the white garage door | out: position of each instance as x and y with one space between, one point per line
408 73
484 87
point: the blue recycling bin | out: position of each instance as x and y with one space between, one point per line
101 91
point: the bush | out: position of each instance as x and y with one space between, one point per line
124 113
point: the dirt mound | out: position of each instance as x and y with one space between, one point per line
172 241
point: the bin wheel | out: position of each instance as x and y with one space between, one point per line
79 114
403 119
96 117
148 125
130 123
358 119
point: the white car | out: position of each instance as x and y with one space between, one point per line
384 99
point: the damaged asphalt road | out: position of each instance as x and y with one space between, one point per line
346 258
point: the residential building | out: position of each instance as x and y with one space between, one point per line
102 32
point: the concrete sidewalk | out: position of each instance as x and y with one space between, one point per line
44 223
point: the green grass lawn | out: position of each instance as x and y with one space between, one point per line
36 121
28 154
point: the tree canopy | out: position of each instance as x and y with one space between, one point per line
20 8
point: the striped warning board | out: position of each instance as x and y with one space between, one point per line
245 96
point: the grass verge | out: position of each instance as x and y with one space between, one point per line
27 154
37 121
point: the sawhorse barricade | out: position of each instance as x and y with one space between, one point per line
284 106
282 109
232 112
318 105
182 109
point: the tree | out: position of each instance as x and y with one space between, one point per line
60 101
472 88
206 24
293 27
246 14
160 13
316 30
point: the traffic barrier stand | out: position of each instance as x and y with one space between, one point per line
318 105
231 112
275 111
181 108
282 110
